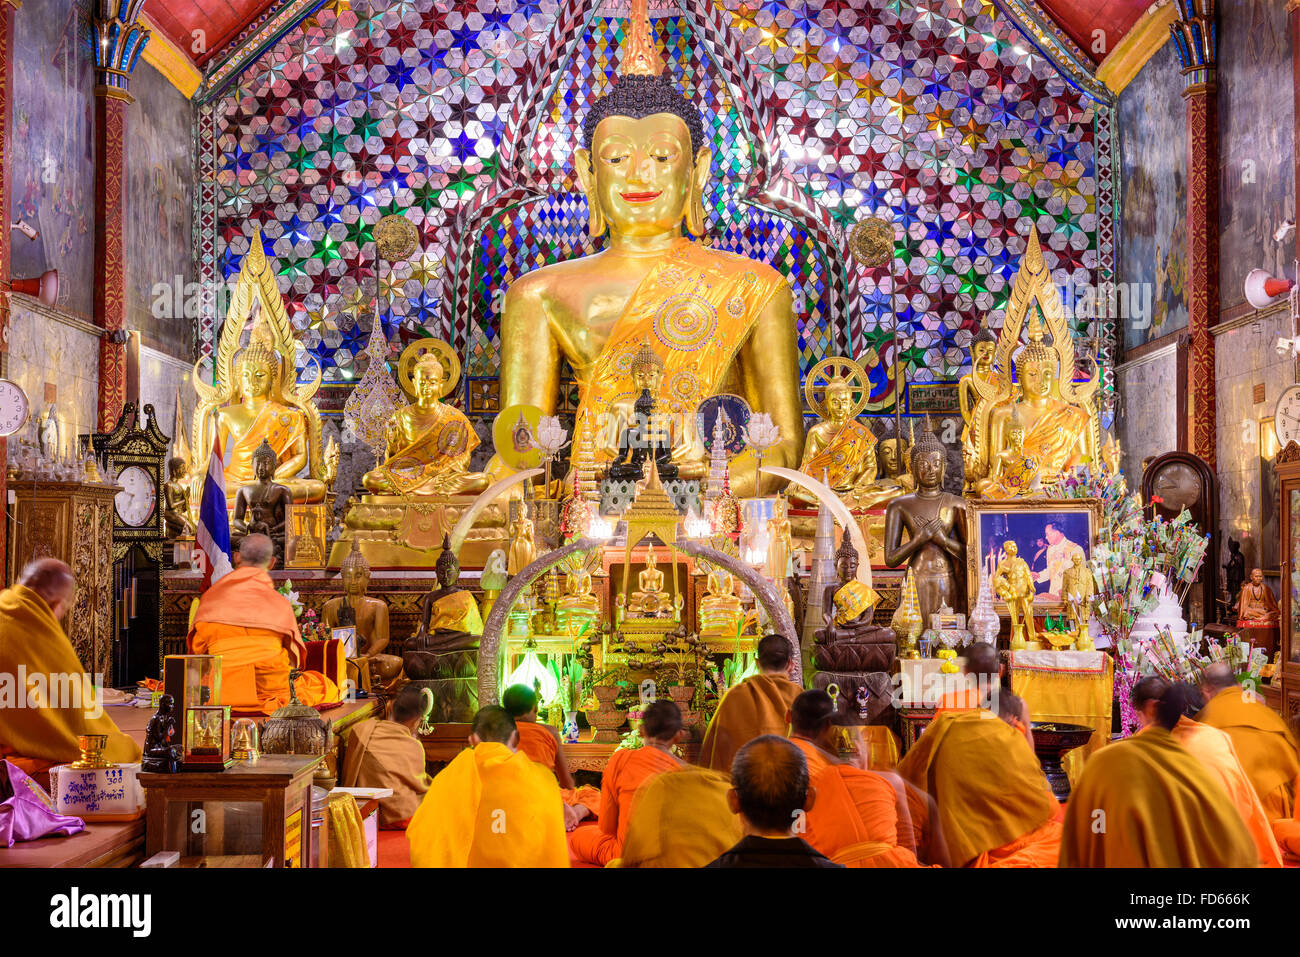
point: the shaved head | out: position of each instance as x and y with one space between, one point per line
49 578
773 653
1218 676
810 713
770 778
982 659
494 723
256 550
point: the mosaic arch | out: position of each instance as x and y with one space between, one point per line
942 117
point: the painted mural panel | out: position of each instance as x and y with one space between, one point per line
159 201
1153 217
53 164
1256 145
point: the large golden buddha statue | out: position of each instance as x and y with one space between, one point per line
256 397
721 323
428 442
1057 414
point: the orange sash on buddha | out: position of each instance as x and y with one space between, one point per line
1264 745
444 444
542 745
1054 440
756 706
843 456
280 425
626 772
1214 749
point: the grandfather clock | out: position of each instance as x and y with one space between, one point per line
135 455
1181 480
1287 468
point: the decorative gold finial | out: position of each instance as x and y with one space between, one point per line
1033 253
640 58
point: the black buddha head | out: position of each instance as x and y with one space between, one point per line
846 560
447 567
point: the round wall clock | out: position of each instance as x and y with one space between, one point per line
135 503
14 407
1286 416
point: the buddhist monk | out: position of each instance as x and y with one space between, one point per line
46 697
772 796
680 820
1265 745
1147 801
982 687
994 804
387 754
627 771
756 706
541 742
861 818
1213 748
252 627
492 806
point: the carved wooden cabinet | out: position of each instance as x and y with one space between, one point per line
71 521
1288 480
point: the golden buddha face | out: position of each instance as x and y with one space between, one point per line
647 376
355 579
640 174
890 457
256 378
428 379
839 401
1016 437
1036 378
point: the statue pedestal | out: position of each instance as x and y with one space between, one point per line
395 531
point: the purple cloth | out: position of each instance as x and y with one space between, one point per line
24 815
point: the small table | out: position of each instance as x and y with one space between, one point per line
280 783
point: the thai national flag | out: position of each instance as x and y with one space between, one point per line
213 533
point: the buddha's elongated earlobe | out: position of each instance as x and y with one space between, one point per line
587 183
695 201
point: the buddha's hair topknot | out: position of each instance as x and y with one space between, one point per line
641 96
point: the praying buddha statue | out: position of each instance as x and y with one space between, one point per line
1058 415
428 442
633 429
720 610
256 397
1013 582
720 323
368 615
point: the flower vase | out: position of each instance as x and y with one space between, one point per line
570 732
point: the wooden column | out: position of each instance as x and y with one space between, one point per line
1195 42
7 8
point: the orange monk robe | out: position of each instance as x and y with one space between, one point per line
681 820
992 797
385 754
1287 833
970 699
756 706
927 837
252 627
856 813
1147 802
42 715
1264 745
490 807
542 744
1214 749
624 775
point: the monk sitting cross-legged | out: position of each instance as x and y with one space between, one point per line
1148 802
492 806
1264 743
627 771
252 627
756 706
541 743
994 804
861 817
1213 748
387 754
57 700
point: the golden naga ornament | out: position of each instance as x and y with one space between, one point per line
1059 415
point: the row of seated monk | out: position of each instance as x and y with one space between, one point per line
772 789
1209 780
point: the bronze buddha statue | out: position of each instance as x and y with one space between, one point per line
263 506
443 653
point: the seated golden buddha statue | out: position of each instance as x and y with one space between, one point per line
1016 472
650 600
428 442
370 618
720 609
673 431
178 517
578 606
256 397
1058 415
720 323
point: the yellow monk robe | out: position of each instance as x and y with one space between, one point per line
697 307
41 717
542 744
385 754
283 427
844 456
1163 808
681 820
626 772
756 706
855 814
1264 745
251 626
490 807
1214 749
971 699
992 797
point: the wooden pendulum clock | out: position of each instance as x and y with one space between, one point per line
135 456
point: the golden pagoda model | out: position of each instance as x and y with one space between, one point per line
907 623
651 513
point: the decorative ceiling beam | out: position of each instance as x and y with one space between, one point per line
171 61
1127 58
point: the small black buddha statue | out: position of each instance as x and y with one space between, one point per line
639 441
162 748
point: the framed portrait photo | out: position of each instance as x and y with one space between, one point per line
1048 534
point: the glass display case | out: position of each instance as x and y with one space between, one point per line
243 739
206 738
192 680
1288 481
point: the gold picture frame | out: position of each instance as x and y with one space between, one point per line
991 522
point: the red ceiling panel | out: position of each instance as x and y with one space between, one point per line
1082 18
209 24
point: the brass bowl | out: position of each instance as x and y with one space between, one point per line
1052 741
